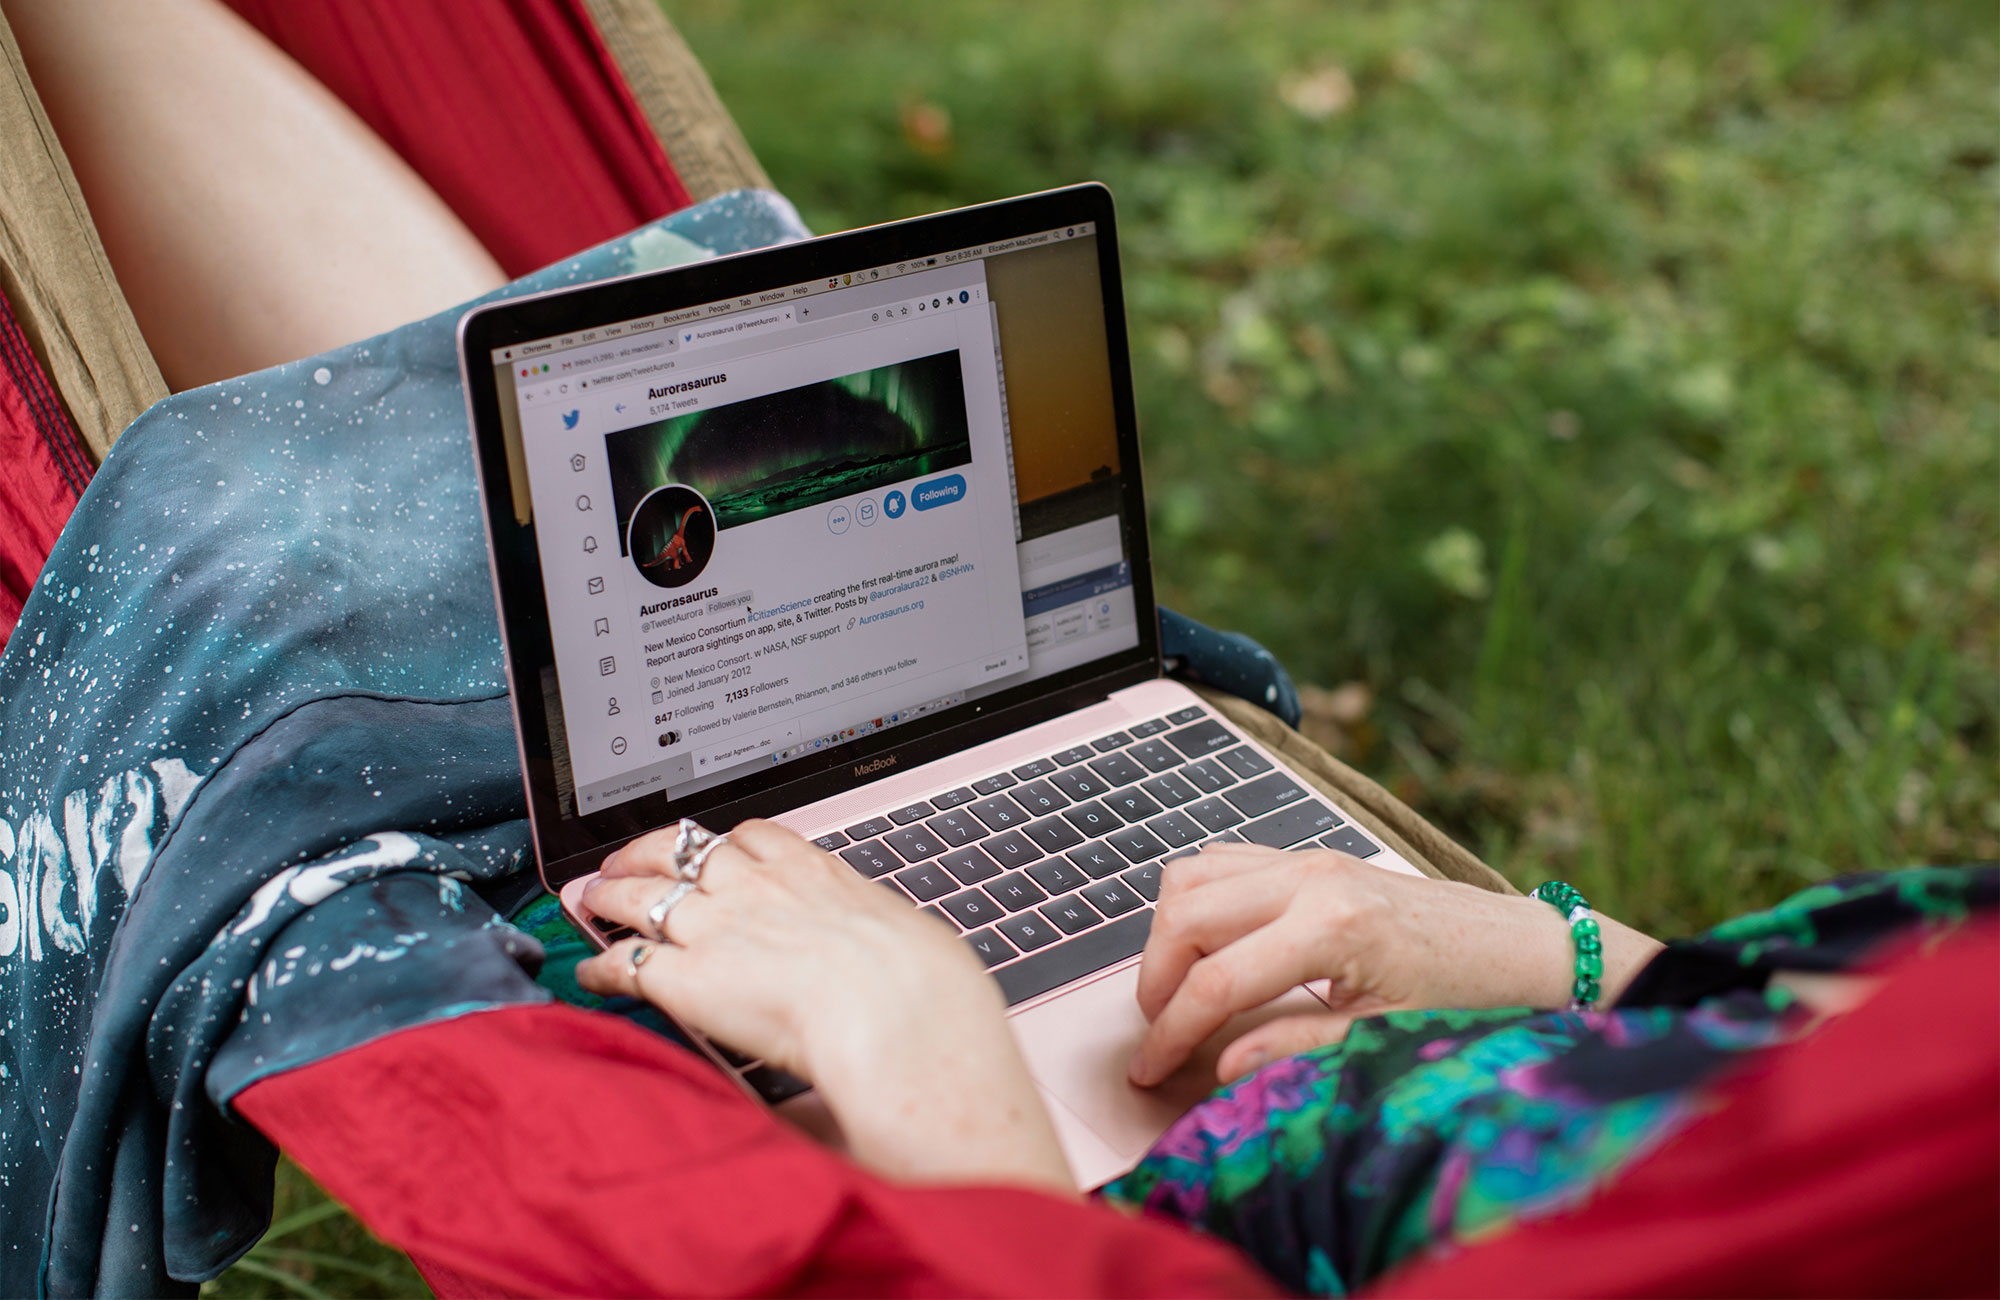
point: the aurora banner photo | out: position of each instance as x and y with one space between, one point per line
798 447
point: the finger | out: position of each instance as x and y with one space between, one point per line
1280 1038
1193 922
650 854
611 973
627 899
1215 862
1247 973
768 841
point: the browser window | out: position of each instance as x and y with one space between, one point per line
770 525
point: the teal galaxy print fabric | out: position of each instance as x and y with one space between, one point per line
1429 1127
256 766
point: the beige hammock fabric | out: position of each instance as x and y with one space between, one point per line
54 273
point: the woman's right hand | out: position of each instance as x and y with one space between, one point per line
1238 925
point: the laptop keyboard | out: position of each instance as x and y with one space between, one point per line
1050 869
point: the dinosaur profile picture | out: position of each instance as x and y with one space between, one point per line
672 535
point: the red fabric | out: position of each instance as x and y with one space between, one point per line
1863 1161
45 470
550 1151
512 110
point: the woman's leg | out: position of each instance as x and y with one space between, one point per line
250 216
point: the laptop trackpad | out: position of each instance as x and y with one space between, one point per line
1077 1047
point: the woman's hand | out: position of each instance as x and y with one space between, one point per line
1237 925
786 954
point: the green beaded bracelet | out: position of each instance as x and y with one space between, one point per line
1587 937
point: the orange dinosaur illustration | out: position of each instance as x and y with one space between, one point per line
675 553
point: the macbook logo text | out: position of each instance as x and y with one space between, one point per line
874 765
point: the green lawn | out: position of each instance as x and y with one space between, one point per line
1600 401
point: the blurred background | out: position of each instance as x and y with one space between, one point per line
1595 405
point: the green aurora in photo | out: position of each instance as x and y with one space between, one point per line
784 451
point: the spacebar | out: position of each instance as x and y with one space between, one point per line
1071 959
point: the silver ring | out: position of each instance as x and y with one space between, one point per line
692 845
656 915
640 952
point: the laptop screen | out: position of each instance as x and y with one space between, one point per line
772 525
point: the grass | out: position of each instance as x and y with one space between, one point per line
1600 403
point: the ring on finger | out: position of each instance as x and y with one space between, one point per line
656 915
693 843
640 952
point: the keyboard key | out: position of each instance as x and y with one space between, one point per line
869 829
993 784
1349 840
973 909
933 911
957 828
1157 755
1136 843
1040 767
1092 818
1097 859
999 812
1171 790
1288 826
914 843
1208 777
953 798
1229 837
1072 756
1090 951
1244 761
1153 728
1213 814
1057 875
1132 805
895 890
1189 714
1030 931
992 949
1203 737
1145 879
915 812
1117 769
1015 891
1038 797
1071 915
1265 794
926 883
870 859
1177 829
1110 897
1116 740
832 840
1080 783
1053 834
1011 849
970 866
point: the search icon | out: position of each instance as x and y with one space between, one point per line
583 502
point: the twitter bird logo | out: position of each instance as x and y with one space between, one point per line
570 418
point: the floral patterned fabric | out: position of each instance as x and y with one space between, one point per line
1423 1127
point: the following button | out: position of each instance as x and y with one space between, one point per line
938 492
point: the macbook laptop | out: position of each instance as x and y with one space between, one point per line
849 534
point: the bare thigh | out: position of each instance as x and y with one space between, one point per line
250 216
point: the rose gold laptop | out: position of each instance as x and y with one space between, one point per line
848 533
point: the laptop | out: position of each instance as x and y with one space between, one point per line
849 533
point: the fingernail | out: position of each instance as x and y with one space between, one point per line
1135 1069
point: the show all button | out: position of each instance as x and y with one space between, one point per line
938 492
